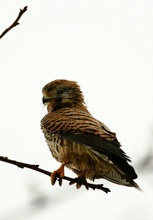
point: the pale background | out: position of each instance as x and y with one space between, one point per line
107 47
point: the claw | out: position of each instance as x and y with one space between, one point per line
60 181
79 182
58 174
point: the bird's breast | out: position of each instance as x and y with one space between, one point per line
57 146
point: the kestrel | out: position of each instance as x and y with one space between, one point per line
79 141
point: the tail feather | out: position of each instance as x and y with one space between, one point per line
121 179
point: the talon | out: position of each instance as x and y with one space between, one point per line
60 181
79 182
72 181
58 174
78 185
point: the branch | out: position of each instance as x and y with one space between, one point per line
71 180
16 22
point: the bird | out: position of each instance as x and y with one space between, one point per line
79 141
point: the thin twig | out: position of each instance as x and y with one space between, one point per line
16 22
36 168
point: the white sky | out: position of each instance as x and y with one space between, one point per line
107 47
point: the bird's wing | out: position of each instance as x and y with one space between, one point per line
78 126
110 149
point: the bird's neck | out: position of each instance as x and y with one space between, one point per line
52 107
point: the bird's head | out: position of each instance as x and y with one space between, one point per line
62 93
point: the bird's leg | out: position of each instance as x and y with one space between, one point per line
59 173
80 180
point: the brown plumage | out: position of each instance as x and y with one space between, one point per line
79 141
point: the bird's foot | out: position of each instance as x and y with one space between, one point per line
79 182
82 181
58 174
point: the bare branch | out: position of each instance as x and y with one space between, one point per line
16 22
71 180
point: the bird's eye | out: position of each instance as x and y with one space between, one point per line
60 91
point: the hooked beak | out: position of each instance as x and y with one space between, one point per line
45 99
